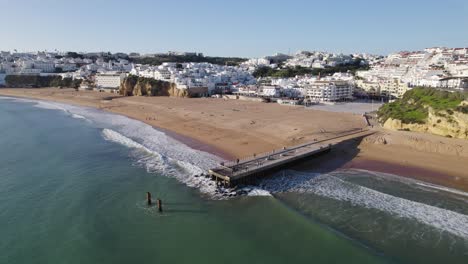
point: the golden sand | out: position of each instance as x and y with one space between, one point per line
242 128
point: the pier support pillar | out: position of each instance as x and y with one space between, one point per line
160 206
148 198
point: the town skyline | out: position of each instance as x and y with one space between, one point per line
190 52
234 29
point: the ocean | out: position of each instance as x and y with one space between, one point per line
72 190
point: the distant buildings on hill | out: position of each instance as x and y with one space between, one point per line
434 67
216 78
389 76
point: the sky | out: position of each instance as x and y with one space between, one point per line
244 28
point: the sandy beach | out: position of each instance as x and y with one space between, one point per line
233 128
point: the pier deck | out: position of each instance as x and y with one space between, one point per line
238 171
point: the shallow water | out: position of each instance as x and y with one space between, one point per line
73 183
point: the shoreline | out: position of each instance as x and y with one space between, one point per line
424 175
350 155
190 142
195 144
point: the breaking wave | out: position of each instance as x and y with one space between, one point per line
152 149
48 105
154 161
78 116
333 187
254 191
441 188
157 152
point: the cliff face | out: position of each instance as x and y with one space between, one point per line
135 86
450 124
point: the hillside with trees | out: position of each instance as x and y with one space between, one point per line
160 59
289 72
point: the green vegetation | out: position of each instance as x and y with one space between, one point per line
160 59
25 81
437 99
290 72
106 56
282 73
74 55
413 107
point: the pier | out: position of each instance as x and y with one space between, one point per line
243 171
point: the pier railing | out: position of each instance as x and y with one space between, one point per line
241 165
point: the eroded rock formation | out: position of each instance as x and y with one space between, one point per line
138 86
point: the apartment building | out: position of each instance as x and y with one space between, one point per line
2 79
109 82
329 91
271 91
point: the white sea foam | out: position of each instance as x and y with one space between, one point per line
460 195
336 188
155 151
154 161
78 116
255 191
440 188
49 105
175 159
111 135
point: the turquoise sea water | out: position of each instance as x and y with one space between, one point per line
73 183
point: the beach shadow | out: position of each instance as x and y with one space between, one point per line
338 157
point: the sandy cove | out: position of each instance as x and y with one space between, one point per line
233 128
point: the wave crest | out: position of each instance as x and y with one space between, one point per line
333 187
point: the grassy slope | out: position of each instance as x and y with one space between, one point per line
413 107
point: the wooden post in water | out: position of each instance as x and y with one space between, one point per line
160 206
148 198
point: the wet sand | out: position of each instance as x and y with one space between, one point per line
418 173
233 128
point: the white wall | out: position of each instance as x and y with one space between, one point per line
2 79
109 80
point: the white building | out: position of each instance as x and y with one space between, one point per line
196 75
249 90
329 91
47 67
2 79
109 82
68 66
271 91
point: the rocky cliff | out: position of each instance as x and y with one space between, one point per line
138 86
444 123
